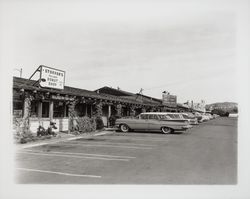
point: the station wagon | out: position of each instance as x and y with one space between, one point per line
152 121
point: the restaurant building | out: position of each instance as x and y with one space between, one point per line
40 106
48 100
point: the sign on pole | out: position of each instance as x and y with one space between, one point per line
51 77
169 100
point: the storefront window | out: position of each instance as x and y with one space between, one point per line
60 109
17 105
81 109
17 109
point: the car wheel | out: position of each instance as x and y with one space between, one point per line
166 130
124 128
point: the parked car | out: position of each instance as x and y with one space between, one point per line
209 115
152 121
198 116
192 119
233 115
215 116
173 116
202 117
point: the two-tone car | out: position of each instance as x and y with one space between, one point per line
179 117
152 121
190 117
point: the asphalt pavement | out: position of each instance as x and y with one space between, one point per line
205 154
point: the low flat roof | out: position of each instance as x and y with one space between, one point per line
19 83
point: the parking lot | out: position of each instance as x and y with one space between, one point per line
205 154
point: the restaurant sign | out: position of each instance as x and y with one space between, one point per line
51 77
60 97
169 100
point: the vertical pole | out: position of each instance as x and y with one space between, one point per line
26 113
65 109
40 104
109 114
51 109
86 109
109 111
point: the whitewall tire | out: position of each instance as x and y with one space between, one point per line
124 128
166 130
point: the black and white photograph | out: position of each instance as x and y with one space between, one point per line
129 99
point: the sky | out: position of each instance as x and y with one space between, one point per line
188 49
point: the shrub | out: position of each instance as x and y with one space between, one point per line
99 123
86 124
22 134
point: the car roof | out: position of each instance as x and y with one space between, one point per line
158 113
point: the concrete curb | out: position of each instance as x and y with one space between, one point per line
56 140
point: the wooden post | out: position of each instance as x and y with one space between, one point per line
109 111
51 110
26 113
65 109
86 110
40 105
109 114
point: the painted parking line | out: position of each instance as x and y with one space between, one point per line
137 138
87 154
112 143
73 156
102 145
58 173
